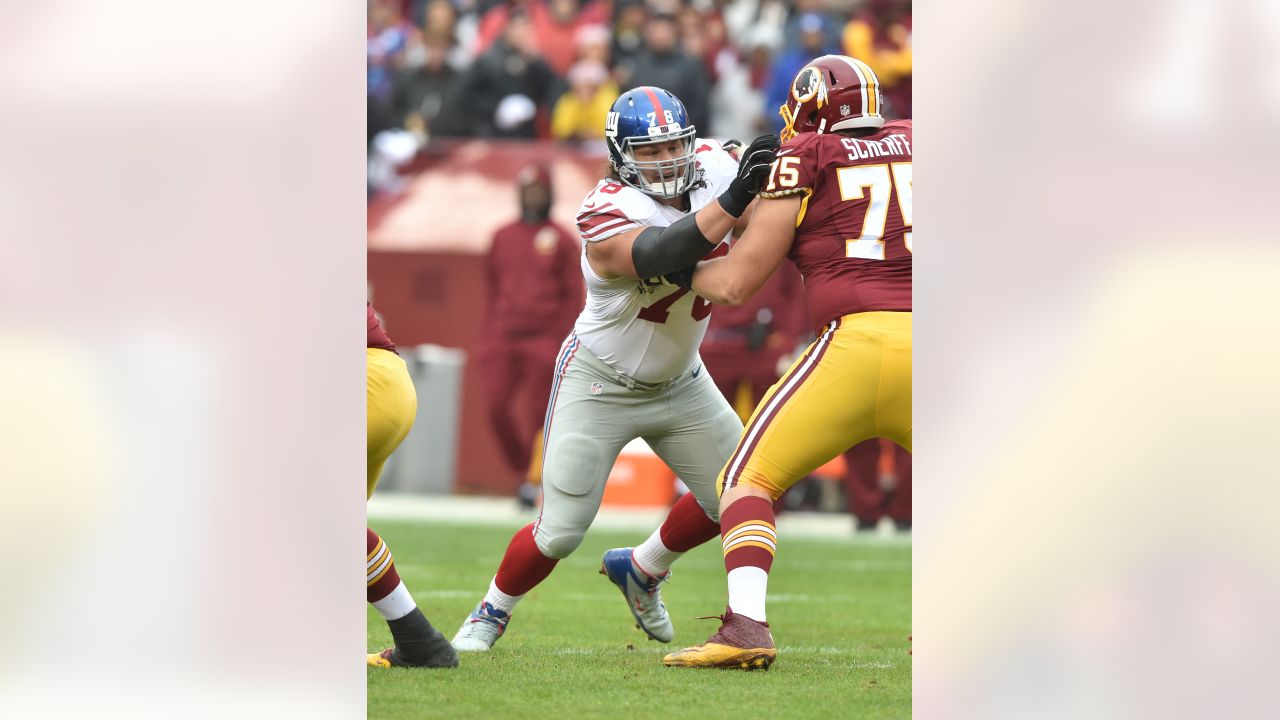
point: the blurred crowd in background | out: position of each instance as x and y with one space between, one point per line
549 69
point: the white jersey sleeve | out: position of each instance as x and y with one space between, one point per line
645 329
613 208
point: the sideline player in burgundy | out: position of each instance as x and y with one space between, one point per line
535 293
392 404
630 368
838 203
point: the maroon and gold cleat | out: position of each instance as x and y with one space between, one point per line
741 644
384 659
441 657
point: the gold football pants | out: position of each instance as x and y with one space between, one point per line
851 384
392 406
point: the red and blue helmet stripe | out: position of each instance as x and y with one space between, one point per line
650 114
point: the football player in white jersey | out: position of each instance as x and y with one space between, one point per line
630 368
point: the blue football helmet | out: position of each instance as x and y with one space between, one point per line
649 116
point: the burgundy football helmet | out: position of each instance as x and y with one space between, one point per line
833 92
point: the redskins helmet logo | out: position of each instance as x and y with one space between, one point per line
808 84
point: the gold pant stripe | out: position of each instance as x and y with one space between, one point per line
854 385
773 399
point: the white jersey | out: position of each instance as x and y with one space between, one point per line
645 329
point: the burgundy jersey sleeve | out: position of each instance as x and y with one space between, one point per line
853 233
377 336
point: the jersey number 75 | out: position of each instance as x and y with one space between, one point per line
881 181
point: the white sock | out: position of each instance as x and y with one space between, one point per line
500 600
652 557
747 588
396 605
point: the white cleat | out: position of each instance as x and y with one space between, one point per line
642 594
481 629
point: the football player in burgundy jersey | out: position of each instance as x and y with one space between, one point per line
630 368
392 404
838 203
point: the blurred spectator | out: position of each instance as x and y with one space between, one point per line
502 93
761 19
467 26
738 99
812 42
423 85
555 23
440 26
832 23
386 37
693 38
535 292
880 36
664 64
722 54
703 36
592 42
580 113
628 37
878 483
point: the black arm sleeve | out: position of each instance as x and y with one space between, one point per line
658 251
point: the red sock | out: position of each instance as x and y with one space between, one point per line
524 565
750 537
380 570
687 525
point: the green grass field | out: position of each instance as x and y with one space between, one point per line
839 609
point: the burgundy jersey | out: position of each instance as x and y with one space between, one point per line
853 239
377 337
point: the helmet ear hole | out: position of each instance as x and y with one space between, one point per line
832 75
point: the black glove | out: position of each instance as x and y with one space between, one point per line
753 168
733 147
683 278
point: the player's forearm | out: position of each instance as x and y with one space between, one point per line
740 225
716 281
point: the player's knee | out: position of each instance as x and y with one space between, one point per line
750 483
765 488
558 544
